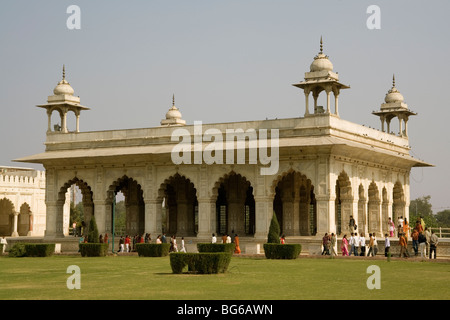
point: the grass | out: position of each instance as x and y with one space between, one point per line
134 278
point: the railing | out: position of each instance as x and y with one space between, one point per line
441 232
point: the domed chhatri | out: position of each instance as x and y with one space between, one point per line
321 61
63 87
173 116
393 95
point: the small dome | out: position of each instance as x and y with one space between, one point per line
173 113
393 96
63 87
321 63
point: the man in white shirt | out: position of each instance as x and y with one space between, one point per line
356 253
352 244
214 239
362 243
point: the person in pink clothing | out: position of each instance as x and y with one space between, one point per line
344 246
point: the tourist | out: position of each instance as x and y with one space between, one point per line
433 244
100 238
127 243
228 239
375 245
333 244
387 246
74 228
400 225
362 244
371 243
351 224
237 249
419 226
422 245
415 241
325 244
175 246
356 247
391 227
121 244
158 239
344 246
163 238
213 239
402 242
406 229
106 238
283 239
352 244
224 238
4 243
428 237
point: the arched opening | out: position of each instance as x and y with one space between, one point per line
180 207
373 208
130 192
235 206
343 204
24 221
385 210
362 213
295 205
6 217
398 202
70 208
55 120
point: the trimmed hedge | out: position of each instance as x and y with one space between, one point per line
202 262
152 249
32 250
39 249
282 251
93 249
216 247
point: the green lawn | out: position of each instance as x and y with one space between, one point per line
133 277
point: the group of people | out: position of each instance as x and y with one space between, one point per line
423 241
226 238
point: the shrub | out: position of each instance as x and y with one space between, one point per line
216 247
202 262
39 249
274 230
18 250
282 251
93 236
93 249
152 249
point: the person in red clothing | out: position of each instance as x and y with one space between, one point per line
127 243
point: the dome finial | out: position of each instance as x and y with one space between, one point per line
321 45
393 80
173 100
64 72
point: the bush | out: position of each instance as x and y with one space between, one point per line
202 262
216 247
39 249
18 250
282 251
274 230
93 249
152 249
93 236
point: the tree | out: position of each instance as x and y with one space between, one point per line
274 230
93 231
421 207
443 218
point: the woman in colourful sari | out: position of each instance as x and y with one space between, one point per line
237 250
391 227
344 246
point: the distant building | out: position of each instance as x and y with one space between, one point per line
327 169
22 202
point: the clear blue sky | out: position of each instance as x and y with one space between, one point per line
225 61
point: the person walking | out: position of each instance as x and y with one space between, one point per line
325 244
422 245
352 244
237 249
415 241
403 244
213 239
333 244
391 227
362 244
433 244
356 247
127 243
370 252
387 245
375 244
351 224
344 245
4 243
406 229
121 244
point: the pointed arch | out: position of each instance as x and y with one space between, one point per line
343 203
398 202
6 217
373 215
24 223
